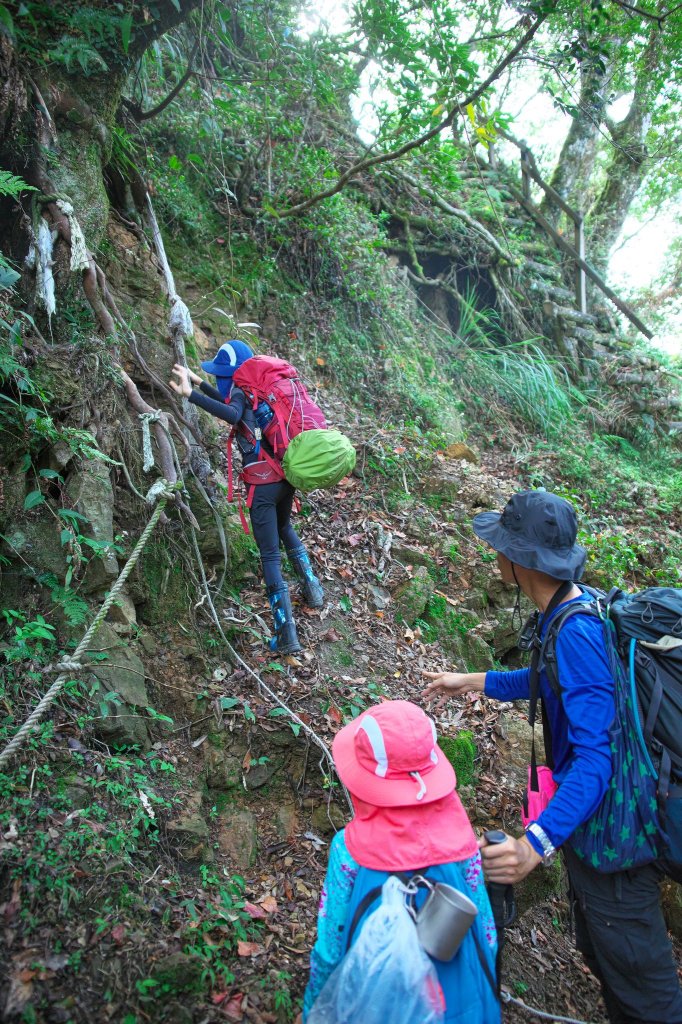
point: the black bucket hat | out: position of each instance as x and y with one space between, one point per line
537 530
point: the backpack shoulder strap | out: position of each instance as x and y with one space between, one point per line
373 894
548 659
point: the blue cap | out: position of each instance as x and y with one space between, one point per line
228 357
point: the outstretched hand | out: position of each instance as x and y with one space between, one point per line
451 684
183 385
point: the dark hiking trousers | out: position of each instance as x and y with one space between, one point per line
271 523
620 930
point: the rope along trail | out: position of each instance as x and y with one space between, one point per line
161 492
237 659
554 1017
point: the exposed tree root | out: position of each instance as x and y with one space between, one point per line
161 429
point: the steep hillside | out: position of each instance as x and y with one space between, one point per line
166 820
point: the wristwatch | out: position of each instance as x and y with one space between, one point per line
549 851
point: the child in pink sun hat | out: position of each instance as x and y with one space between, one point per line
407 818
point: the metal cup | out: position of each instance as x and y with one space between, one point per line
443 921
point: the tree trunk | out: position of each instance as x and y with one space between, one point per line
629 160
55 132
573 171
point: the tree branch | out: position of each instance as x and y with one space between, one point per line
632 9
144 115
167 14
460 214
363 165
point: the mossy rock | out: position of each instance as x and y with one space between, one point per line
159 585
223 770
178 972
238 837
326 819
242 553
542 884
460 751
37 543
407 555
14 484
337 656
190 838
53 375
412 597
454 628
89 487
476 653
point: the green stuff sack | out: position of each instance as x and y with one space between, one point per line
318 458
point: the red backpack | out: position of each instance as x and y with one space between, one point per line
276 382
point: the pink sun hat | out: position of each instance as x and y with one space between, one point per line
389 757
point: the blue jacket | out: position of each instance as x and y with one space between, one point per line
579 722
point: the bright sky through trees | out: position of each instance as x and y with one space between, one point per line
639 256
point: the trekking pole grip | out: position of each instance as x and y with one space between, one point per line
501 895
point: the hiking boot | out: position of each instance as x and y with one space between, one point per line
285 640
313 594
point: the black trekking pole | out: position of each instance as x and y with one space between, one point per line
502 903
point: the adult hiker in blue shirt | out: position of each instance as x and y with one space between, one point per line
620 929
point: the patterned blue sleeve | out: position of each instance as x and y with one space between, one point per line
331 919
473 876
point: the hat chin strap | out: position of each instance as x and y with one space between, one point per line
422 790
516 611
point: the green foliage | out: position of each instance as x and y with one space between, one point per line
230 703
11 185
608 476
441 620
83 39
74 607
224 922
424 61
460 751
518 375
34 640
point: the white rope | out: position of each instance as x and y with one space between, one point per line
163 491
326 753
147 418
180 318
80 257
68 665
507 998
45 292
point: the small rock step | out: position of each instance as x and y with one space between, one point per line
567 313
537 247
547 270
585 335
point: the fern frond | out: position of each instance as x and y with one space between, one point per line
11 185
